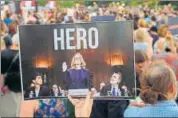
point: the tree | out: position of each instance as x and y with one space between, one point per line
65 4
42 2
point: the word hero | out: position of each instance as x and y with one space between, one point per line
85 39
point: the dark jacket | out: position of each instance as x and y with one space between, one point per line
108 108
77 79
44 91
107 88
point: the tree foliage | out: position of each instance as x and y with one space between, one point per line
65 4
41 2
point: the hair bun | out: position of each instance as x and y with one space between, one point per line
149 96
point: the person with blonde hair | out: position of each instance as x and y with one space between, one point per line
158 92
77 77
3 34
165 41
142 24
143 41
171 43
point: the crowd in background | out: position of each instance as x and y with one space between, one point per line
152 40
153 21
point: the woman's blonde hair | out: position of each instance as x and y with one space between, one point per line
140 35
3 29
142 23
3 46
156 81
162 31
73 64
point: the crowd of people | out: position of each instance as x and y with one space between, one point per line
156 80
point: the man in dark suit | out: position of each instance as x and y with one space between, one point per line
38 90
114 88
110 108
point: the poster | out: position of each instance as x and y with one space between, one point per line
62 59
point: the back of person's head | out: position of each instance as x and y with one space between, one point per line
8 41
158 83
142 23
12 28
140 35
153 18
35 75
13 81
162 31
154 29
140 56
8 14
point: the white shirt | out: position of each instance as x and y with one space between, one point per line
37 92
56 94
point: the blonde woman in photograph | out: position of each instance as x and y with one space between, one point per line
77 77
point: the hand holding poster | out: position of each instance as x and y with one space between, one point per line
62 59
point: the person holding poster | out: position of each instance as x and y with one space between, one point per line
78 76
114 88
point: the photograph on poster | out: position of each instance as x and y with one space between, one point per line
56 108
61 59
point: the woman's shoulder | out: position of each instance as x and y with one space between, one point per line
168 109
132 111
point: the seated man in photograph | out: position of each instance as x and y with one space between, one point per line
110 108
115 88
38 90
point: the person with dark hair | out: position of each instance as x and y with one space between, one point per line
38 90
158 92
153 32
111 108
153 21
55 91
8 20
10 59
12 28
140 59
115 88
8 41
8 55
